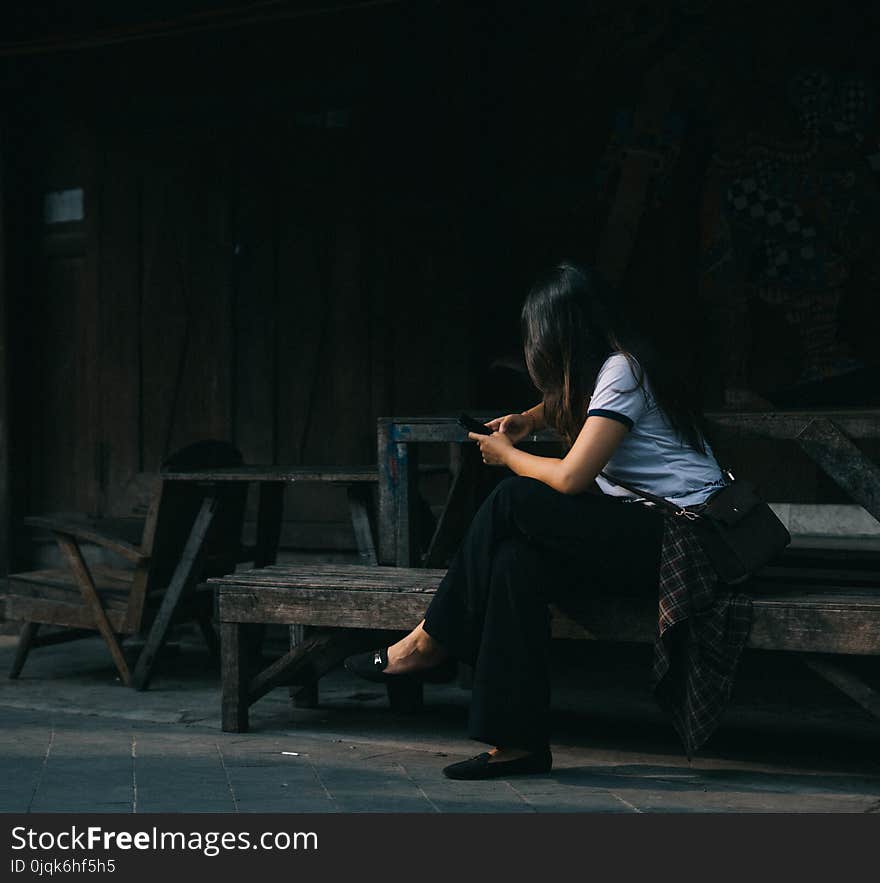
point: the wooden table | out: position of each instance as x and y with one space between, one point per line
272 480
398 462
358 481
828 438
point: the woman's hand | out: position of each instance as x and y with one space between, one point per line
494 448
515 426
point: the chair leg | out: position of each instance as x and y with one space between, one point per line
25 639
184 576
86 584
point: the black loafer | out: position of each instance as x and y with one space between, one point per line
370 666
482 766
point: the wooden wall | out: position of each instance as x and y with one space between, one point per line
224 290
241 273
293 229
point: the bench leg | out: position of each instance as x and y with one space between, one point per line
845 681
306 696
405 696
233 654
25 640
302 695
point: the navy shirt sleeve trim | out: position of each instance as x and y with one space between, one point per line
611 415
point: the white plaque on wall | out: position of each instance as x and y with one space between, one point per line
64 206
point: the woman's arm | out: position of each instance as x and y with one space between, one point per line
572 474
518 426
536 415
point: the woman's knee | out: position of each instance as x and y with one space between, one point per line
518 501
517 489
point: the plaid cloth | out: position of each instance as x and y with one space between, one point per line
703 627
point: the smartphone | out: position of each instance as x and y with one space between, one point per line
472 425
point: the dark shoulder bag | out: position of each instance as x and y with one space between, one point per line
738 531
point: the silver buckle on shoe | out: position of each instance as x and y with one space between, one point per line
377 658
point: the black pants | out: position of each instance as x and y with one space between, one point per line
528 545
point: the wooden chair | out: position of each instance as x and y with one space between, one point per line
192 531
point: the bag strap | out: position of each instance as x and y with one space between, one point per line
653 498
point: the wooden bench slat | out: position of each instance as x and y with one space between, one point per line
113 586
343 575
328 474
110 578
324 607
826 575
860 556
395 598
817 629
826 600
806 592
347 577
800 579
62 613
777 626
425 582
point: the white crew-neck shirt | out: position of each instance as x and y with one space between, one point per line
652 456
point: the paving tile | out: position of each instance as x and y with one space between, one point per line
116 750
290 807
20 777
195 804
85 806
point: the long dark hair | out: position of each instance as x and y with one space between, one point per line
570 325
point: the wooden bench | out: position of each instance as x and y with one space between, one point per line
812 603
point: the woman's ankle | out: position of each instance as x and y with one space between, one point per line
500 755
414 652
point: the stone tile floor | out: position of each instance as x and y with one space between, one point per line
73 739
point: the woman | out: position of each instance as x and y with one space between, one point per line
541 536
